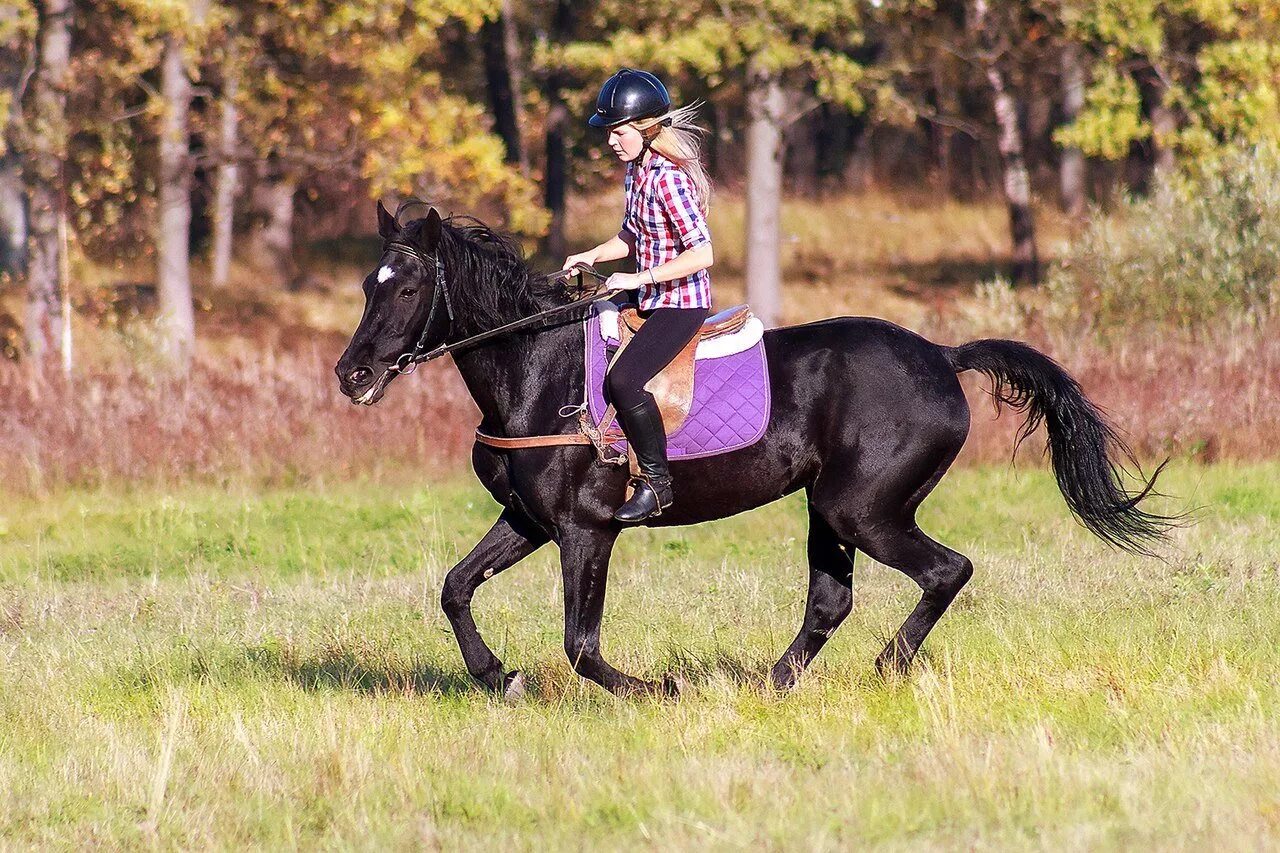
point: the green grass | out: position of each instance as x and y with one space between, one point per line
241 669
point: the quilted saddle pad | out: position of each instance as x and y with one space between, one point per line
730 408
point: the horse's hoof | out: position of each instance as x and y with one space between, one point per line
513 686
673 686
893 669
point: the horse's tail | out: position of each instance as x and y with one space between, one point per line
1083 447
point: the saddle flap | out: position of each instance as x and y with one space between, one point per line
725 322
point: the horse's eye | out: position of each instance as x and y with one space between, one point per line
409 293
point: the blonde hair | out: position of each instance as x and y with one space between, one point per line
680 141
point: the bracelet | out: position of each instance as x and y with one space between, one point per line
651 281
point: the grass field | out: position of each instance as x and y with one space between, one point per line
271 669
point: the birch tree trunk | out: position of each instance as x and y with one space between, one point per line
271 240
13 217
1015 179
502 72
227 182
765 106
1072 169
173 250
14 56
1164 124
46 130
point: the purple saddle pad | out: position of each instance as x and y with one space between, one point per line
730 407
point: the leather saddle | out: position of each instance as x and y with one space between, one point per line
672 387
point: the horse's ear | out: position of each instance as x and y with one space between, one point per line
431 232
388 228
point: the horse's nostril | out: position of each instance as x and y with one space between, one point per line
360 376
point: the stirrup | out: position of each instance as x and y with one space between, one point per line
659 489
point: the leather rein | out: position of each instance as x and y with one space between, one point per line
407 362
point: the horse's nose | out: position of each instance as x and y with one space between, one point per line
360 376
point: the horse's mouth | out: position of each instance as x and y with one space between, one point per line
375 391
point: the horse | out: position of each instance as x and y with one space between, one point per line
866 419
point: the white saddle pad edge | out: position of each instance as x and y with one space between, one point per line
744 339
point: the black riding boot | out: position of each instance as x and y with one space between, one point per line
648 438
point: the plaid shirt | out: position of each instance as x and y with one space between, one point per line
662 214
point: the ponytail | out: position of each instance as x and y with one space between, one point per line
678 138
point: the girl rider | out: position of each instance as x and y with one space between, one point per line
665 226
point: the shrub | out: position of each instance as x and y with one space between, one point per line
1202 248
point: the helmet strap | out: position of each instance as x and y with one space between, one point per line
651 134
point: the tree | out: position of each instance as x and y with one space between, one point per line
227 181
173 250
991 34
556 171
16 58
1191 80
45 142
500 45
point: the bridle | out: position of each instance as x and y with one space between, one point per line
407 362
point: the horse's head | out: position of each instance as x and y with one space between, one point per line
398 299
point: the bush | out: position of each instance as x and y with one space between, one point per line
1200 249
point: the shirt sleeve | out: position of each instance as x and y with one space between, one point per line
680 202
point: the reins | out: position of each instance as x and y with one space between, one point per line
408 361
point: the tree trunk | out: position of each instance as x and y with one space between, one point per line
46 137
173 250
271 240
14 56
1016 181
502 72
556 178
1164 124
1072 169
227 182
13 217
765 106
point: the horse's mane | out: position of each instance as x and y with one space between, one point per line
491 282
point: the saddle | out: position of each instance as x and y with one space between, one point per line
672 387
714 396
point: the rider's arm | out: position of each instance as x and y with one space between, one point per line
686 263
681 205
618 246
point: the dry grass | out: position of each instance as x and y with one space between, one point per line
211 669
262 404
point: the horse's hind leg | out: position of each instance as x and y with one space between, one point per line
937 570
874 508
829 601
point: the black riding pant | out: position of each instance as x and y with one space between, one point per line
664 333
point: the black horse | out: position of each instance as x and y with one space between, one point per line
867 417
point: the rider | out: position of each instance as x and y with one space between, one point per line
665 225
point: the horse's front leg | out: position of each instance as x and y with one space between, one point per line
584 561
512 538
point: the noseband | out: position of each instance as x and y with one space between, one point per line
408 361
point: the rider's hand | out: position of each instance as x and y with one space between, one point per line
581 259
624 281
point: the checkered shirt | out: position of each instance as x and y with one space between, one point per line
662 214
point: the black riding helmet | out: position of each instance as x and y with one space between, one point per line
627 96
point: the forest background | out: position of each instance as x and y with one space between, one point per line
219 581
186 205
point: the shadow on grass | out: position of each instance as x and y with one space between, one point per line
343 670
369 671
700 668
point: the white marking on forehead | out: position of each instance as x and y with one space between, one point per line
384 274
